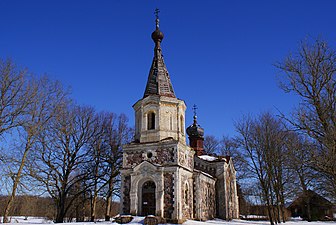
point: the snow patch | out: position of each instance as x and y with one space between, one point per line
208 157
139 221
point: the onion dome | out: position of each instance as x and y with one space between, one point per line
195 130
196 133
157 35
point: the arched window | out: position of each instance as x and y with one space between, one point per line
151 121
186 194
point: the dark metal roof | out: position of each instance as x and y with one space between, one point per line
158 82
195 130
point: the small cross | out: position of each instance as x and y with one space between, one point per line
157 13
195 109
157 17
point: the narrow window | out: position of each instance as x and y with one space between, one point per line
151 121
171 122
186 194
182 124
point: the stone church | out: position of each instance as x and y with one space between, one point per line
163 176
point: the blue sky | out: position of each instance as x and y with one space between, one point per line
220 54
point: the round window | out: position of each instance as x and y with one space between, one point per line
149 155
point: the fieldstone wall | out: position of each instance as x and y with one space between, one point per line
187 209
208 200
231 193
155 154
168 195
163 156
186 157
221 199
133 159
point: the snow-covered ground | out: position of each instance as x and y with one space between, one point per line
139 221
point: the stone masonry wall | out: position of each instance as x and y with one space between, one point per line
168 195
187 203
159 156
163 156
208 200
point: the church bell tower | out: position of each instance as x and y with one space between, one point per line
157 165
161 175
159 114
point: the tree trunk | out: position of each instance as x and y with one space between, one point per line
108 207
95 194
309 216
16 182
60 215
278 213
60 210
94 205
282 202
7 209
109 201
269 210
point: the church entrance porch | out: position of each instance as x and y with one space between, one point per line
148 204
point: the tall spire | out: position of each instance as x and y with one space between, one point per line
158 82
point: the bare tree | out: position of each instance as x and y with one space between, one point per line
230 147
298 147
97 148
310 74
261 143
117 133
211 144
15 95
45 96
106 158
63 154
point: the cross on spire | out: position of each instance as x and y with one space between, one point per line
157 21
157 13
195 109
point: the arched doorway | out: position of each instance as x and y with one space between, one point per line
148 198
